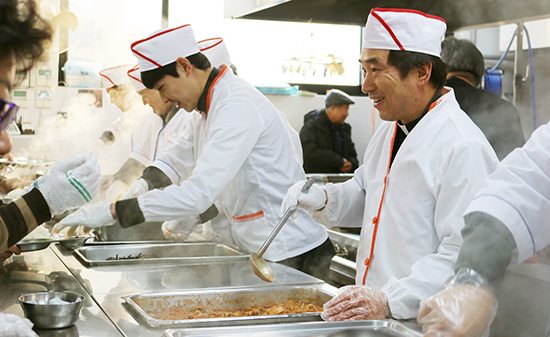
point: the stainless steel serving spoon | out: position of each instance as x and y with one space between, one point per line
258 264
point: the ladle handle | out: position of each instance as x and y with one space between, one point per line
283 220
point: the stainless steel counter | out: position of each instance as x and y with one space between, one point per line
47 273
104 312
108 284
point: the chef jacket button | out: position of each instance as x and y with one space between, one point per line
367 261
375 220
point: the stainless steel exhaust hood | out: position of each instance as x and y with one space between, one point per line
460 14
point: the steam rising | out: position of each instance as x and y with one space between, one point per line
63 136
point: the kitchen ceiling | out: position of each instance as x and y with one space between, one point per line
459 14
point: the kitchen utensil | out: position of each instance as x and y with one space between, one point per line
32 245
148 307
52 316
74 243
258 264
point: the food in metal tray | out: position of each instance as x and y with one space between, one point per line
132 257
198 312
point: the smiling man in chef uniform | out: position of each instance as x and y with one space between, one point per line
249 159
422 167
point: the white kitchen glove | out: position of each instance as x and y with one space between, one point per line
71 183
137 188
116 190
96 146
179 230
95 215
313 200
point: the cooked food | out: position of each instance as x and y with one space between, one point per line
198 312
132 257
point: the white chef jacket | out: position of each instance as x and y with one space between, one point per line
518 194
439 167
249 160
157 136
129 126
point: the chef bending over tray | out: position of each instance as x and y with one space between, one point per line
157 132
250 157
422 167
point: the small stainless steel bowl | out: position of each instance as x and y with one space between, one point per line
33 245
74 242
52 316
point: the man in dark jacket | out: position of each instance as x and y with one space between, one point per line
326 138
497 118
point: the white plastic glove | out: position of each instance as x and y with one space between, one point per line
64 189
356 303
179 230
96 146
137 188
95 215
465 309
315 199
116 190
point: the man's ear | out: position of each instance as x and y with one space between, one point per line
184 64
424 73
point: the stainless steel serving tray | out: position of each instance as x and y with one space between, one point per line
143 305
378 328
192 253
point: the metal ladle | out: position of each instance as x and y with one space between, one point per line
258 264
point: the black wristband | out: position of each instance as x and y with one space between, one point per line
155 178
128 213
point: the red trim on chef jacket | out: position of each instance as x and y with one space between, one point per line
249 217
223 71
376 220
212 46
152 37
402 10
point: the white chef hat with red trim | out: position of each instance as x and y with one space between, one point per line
164 47
135 78
216 51
115 76
404 29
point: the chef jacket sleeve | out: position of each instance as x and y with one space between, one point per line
518 194
144 140
177 162
345 203
129 171
231 138
459 177
487 248
21 217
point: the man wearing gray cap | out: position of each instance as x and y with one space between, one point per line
497 118
326 138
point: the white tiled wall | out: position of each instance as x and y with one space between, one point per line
295 107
